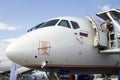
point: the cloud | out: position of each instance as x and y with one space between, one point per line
7 27
105 7
9 40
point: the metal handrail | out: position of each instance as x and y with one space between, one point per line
115 41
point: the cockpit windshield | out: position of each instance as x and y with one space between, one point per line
44 24
36 27
50 23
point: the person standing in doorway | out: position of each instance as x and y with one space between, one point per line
109 29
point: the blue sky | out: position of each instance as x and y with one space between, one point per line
17 16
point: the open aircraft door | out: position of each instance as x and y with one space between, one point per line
100 38
114 16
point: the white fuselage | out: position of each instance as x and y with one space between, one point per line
63 47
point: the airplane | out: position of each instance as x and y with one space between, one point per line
69 44
5 69
5 65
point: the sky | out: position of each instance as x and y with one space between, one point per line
17 16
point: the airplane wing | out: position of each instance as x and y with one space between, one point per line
5 66
1 71
22 70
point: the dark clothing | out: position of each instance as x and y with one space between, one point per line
110 27
111 36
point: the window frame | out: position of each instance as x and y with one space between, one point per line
69 27
49 21
76 23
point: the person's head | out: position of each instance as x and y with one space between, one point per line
108 21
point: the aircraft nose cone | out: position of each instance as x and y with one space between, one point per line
20 49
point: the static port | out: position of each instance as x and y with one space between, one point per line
35 56
46 62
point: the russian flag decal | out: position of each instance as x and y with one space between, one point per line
84 34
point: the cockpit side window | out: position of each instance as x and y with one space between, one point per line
30 30
64 23
75 25
50 23
35 27
38 26
44 24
